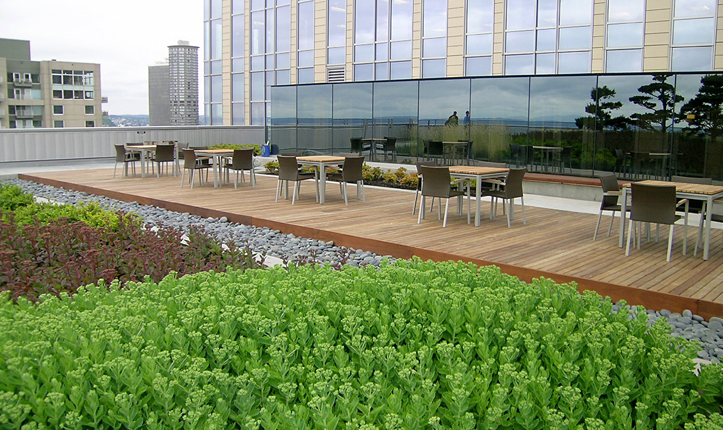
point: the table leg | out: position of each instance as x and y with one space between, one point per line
322 184
478 196
708 220
143 163
623 212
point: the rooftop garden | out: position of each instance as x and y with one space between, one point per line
409 345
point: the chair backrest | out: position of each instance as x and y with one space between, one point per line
120 153
288 167
189 159
513 183
609 184
135 143
353 167
243 159
514 149
653 203
436 181
619 154
692 180
182 145
165 153
435 147
356 144
390 143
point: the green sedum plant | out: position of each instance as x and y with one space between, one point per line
13 197
415 345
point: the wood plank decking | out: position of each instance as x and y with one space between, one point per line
554 244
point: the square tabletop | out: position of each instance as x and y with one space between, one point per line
320 158
684 187
477 170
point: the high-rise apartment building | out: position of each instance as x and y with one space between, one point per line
159 99
173 87
251 45
46 94
183 80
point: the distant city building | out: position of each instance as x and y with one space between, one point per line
159 98
173 99
46 94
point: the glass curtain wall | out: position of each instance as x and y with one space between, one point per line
270 53
625 33
548 37
382 40
238 52
212 63
636 125
478 41
694 25
434 38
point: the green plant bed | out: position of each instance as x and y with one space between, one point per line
411 345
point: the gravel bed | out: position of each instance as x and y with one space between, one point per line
279 248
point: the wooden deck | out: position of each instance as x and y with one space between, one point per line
553 244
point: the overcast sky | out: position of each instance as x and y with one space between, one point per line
123 37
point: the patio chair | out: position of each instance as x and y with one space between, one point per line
509 190
125 157
289 172
164 154
351 172
192 162
243 159
388 146
653 204
419 182
609 202
438 183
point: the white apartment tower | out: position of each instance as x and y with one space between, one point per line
183 81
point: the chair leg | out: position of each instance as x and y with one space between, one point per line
343 192
630 232
524 215
446 211
421 210
670 241
612 219
252 175
193 173
278 189
508 202
597 226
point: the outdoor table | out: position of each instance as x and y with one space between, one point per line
216 155
478 173
322 162
706 193
546 153
145 151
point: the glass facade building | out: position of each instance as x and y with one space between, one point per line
397 57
